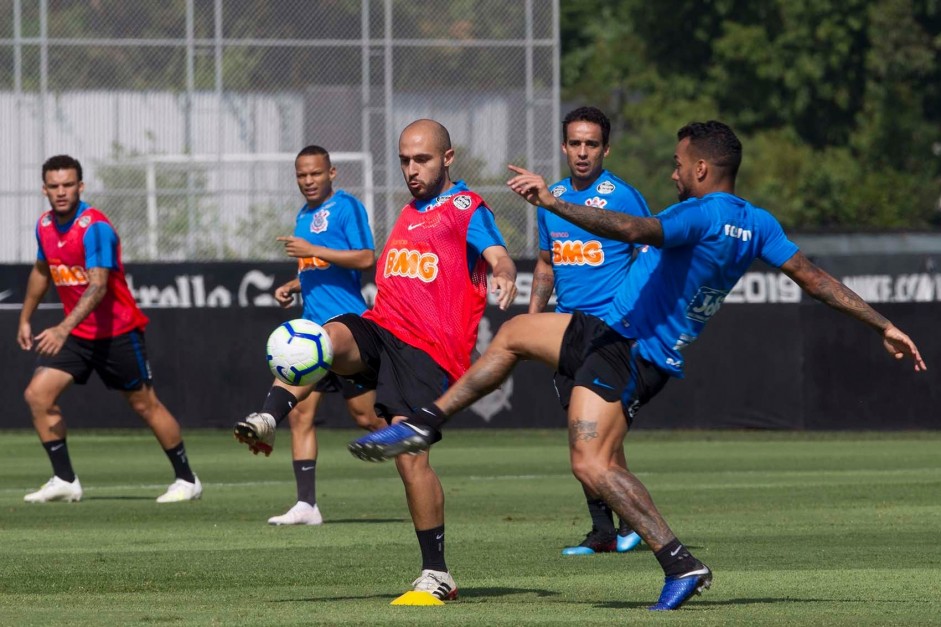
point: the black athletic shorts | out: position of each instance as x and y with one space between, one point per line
333 382
405 378
596 357
120 361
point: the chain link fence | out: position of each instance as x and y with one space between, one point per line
187 114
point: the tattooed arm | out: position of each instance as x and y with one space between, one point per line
825 288
611 224
50 341
543 283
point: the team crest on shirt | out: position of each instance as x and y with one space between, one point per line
46 220
605 187
83 221
462 202
499 399
558 190
318 222
596 202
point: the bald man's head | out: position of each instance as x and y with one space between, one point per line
425 154
429 129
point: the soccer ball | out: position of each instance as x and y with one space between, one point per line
299 352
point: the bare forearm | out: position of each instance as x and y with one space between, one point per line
612 224
505 268
91 298
543 284
36 288
362 259
831 292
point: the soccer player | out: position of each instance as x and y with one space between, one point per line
431 292
696 252
581 266
103 331
332 244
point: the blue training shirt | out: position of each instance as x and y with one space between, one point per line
340 223
584 265
482 232
100 242
672 292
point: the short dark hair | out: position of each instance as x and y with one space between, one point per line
314 150
61 162
715 142
588 114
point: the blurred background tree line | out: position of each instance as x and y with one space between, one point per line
837 102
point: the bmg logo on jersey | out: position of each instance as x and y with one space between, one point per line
705 304
411 264
577 253
65 275
311 263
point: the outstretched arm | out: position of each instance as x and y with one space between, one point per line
825 288
612 224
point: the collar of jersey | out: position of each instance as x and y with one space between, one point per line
62 228
424 205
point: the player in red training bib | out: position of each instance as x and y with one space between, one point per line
418 337
103 332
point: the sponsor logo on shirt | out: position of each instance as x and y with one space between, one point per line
411 264
596 202
605 187
705 304
311 263
462 202
558 190
46 221
577 253
83 221
68 275
737 232
318 222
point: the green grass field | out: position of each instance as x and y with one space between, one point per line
799 528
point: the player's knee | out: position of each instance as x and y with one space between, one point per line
587 471
36 398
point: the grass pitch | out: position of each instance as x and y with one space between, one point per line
799 529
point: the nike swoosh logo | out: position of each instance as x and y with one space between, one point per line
5 293
417 429
602 384
61 244
305 468
56 447
415 226
439 536
673 553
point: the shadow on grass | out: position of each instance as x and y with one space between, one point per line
366 521
465 594
119 498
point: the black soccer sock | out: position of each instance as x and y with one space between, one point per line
279 403
305 471
58 452
624 527
430 415
601 517
675 559
431 542
181 465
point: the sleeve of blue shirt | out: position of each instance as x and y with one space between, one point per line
101 246
358 233
544 243
40 255
776 248
683 223
482 232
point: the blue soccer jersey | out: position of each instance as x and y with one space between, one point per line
339 223
586 265
672 292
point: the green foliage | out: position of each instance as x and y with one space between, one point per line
838 102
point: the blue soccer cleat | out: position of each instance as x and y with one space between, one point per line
678 589
402 437
628 541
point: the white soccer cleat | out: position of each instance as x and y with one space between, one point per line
56 490
181 490
301 514
433 587
257 431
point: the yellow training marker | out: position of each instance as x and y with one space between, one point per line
417 597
